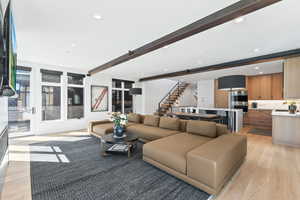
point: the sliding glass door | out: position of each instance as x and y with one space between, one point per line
20 107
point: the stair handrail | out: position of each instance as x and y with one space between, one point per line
176 86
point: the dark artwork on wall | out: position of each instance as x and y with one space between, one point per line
99 98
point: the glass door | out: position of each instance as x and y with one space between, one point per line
19 106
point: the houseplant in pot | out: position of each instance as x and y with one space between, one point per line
292 106
120 120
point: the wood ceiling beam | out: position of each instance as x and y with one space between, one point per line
227 65
222 16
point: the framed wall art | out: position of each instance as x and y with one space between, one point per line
99 98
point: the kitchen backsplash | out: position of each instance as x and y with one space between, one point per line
272 104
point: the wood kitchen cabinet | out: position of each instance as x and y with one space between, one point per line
221 97
265 87
259 118
292 78
253 85
277 86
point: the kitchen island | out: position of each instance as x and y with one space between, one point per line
231 117
286 128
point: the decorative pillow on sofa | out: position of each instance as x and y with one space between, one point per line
151 120
203 128
169 123
133 117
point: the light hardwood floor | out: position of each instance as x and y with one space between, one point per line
270 172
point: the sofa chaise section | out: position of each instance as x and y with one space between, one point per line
215 162
171 151
207 162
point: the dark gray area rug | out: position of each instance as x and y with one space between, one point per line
258 131
88 176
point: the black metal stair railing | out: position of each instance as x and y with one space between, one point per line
175 90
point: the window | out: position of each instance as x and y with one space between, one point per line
128 103
116 83
51 103
117 100
122 101
128 85
51 95
75 79
75 96
75 103
50 76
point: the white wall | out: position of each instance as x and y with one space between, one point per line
153 92
188 98
139 100
45 127
206 90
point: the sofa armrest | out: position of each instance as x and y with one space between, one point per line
217 160
96 122
222 129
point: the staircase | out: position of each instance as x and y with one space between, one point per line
169 100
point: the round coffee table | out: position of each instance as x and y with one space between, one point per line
110 145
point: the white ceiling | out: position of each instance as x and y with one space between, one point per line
46 30
249 70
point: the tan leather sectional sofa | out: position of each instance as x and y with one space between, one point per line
203 154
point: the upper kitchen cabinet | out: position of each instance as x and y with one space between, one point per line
221 97
292 78
265 87
277 86
253 85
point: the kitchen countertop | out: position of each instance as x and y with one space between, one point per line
285 114
220 109
260 109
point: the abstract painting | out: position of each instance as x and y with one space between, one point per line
99 98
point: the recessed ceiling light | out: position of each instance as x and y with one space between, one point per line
238 20
256 50
97 16
260 72
256 68
73 45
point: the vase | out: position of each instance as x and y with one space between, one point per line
118 132
292 109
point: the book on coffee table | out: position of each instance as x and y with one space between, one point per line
118 148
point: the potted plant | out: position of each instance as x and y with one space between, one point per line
120 121
292 106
